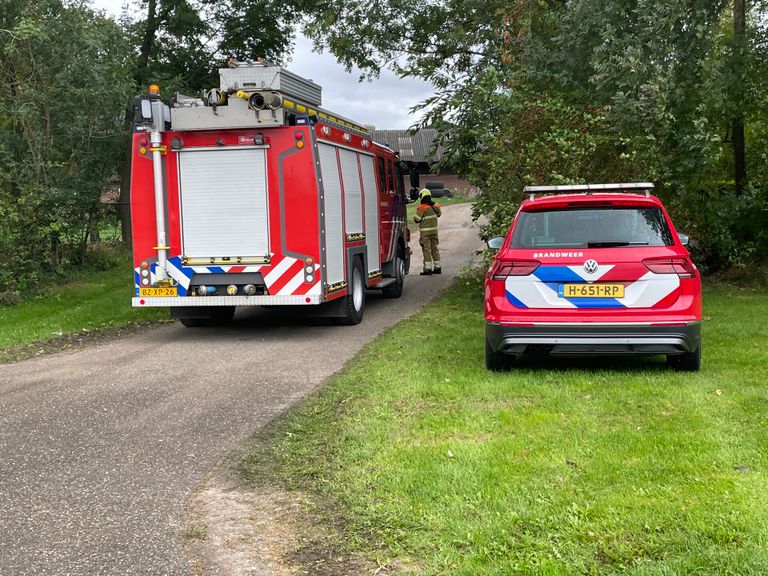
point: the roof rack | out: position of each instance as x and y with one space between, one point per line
589 188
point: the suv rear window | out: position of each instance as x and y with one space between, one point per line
604 227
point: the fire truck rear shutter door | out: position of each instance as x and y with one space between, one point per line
224 203
334 225
353 197
371 211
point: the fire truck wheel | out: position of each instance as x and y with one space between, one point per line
354 301
218 315
396 290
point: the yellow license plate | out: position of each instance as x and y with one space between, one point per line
593 291
158 291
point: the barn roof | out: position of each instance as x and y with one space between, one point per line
414 147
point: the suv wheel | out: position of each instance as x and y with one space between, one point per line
496 361
688 362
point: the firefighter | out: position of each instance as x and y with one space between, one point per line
426 217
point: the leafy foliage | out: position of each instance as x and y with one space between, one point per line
67 77
181 43
550 92
63 81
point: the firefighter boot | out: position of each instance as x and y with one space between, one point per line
427 272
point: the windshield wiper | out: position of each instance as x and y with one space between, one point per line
614 244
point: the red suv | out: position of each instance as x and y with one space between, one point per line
594 269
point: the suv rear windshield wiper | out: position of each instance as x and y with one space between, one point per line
614 244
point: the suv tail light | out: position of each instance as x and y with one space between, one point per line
503 268
683 267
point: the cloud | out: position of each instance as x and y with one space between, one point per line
383 102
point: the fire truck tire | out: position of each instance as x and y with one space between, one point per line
218 315
396 290
354 301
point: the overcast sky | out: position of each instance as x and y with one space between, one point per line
383 102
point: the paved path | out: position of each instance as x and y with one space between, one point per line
100 448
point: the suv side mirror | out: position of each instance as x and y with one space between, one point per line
495 243
684 238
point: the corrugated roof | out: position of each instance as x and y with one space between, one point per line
413 147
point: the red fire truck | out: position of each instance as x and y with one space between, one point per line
254 195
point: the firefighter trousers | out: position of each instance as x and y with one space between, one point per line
431 252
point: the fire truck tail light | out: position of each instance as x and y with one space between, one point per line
309 261
309 269
145 281
310 278
501 269
145 273
144 265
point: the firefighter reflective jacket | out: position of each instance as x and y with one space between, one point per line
426 217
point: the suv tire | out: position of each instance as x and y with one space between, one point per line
496 361
688 362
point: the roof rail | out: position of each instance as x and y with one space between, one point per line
589 188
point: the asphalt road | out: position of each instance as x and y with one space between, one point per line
101 447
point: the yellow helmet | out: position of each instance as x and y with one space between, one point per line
424 193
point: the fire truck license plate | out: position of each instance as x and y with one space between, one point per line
158 291
592 291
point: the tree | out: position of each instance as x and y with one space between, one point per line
64 77
548 91
180 44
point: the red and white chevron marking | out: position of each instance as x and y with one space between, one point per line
283 277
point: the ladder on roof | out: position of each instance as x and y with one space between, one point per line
588 189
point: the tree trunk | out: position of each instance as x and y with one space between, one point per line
739 147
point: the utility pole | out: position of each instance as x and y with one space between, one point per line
739 163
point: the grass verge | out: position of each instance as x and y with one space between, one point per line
101 300
417 454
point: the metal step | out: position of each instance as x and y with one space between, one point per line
383 284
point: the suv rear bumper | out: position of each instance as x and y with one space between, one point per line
594 339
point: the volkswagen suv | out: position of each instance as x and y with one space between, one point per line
592 269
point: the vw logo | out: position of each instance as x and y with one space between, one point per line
590 266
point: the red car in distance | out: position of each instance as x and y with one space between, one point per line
595 269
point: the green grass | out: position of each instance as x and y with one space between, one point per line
100 299
568 467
